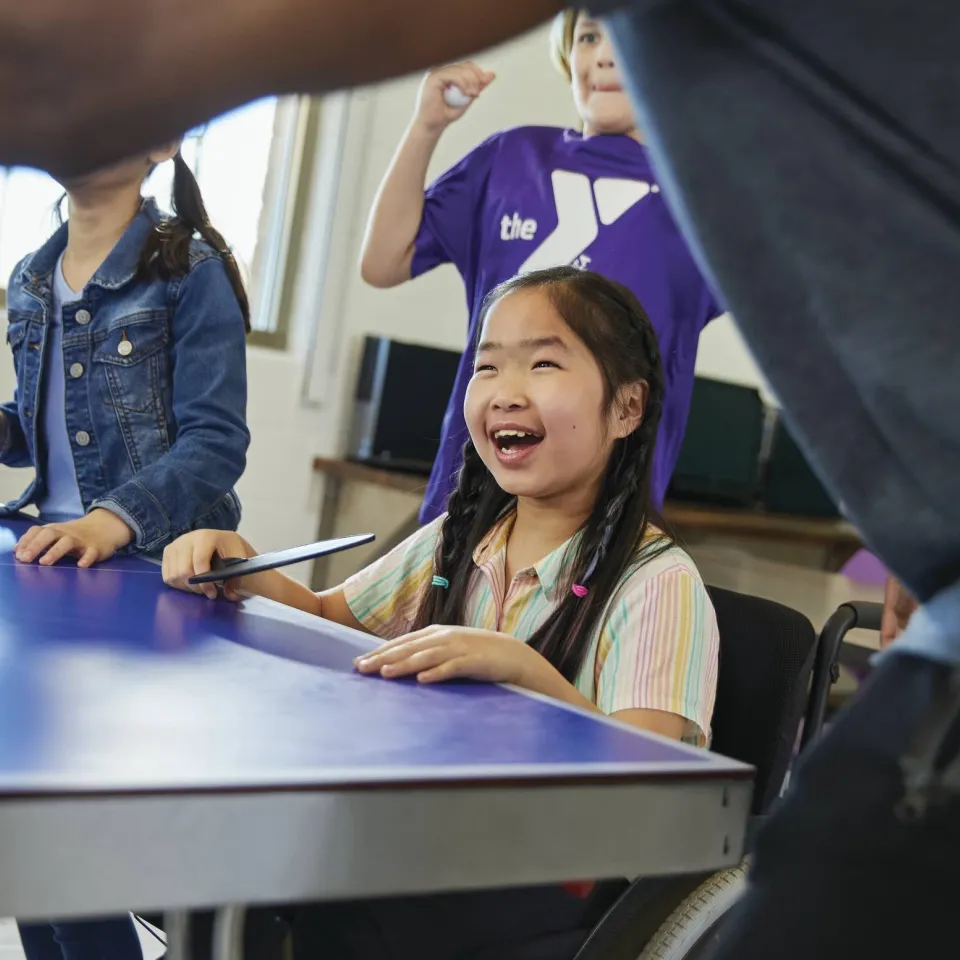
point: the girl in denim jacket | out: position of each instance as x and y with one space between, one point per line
128 336
127 330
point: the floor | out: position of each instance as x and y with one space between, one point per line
10 948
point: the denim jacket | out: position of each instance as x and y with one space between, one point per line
155 387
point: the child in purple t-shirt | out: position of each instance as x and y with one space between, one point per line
534 197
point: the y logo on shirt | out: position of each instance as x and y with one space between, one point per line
580 211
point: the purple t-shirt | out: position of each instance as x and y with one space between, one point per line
537 197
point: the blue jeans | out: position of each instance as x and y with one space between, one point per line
114 938
811 152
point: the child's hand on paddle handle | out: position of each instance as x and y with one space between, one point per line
435 111
193 553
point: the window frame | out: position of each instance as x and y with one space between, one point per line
283 218
286 209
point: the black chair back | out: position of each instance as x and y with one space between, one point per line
767 652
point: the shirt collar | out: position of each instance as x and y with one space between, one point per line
121 264
549 570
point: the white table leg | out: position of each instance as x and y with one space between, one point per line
176 927
228 933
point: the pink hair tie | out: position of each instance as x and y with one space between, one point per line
579 590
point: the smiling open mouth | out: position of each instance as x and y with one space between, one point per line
512 443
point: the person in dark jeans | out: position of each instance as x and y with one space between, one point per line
112 938
828 210
810 150
853 865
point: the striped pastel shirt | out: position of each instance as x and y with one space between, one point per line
656 647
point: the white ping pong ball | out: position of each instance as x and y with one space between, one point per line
454 97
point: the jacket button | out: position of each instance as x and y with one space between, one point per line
82 438
82 317
76 370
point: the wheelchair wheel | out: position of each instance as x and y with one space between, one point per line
693 927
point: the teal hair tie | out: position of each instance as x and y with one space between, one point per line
441 582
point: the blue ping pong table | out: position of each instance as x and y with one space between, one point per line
159 751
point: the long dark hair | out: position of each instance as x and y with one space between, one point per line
166 252
608 318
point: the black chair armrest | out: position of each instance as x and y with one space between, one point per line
868 614
854 615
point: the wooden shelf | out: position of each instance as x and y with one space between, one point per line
755 523
393 479
836 535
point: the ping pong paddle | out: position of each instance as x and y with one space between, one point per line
229 568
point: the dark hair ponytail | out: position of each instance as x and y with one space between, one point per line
474 507
608 318
167 250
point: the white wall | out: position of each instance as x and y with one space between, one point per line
723 355
299 398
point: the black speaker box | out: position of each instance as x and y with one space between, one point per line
719 460
401 394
